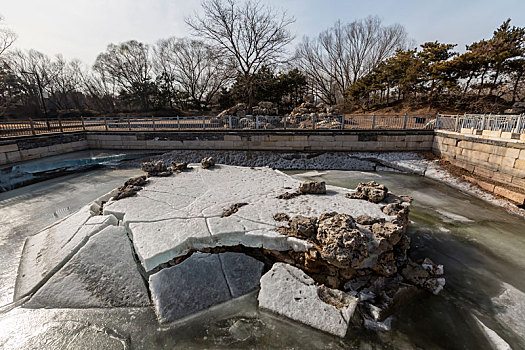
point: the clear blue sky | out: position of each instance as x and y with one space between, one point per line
83 28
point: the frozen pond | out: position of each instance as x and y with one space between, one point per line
33 171
481 246
27 210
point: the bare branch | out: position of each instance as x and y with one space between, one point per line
344 53
251 34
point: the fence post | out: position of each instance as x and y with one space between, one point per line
285 118
203 123
178 123
343 122
436 124
83 124
374 121
256 122
405 122
483 122
106 122
517 130
129 123
230 122
456 124
60 124
313 122
153 123
32 126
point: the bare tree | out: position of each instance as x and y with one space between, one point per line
191 66
36 72
66 86
249 33
130 65
346 52
101 90
7 37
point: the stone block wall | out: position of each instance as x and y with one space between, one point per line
373 141
23 148
34 147
497 159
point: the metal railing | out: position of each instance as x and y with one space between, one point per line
492 122
179 123
508 123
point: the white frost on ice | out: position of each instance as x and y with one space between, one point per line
453 217
174 215
497 342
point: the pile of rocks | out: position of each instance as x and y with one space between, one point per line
366 257
241 109
370 191
161 169
321 109
131 187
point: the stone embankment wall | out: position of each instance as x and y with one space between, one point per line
373 141
18 149
498 163
22 148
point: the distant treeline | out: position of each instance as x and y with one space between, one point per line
243 55
489 70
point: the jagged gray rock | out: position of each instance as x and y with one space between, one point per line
131 187
158 168
343 245
303 227
312 187
207 162
370 191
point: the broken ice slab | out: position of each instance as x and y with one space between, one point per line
102 274
47 251
174 215
202 281
288 291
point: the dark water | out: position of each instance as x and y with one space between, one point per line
481 246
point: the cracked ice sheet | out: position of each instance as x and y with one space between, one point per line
158 242
46 252
176 214
102 274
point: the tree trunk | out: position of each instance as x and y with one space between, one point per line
495 80
482 81
515 87
250 97
468 83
